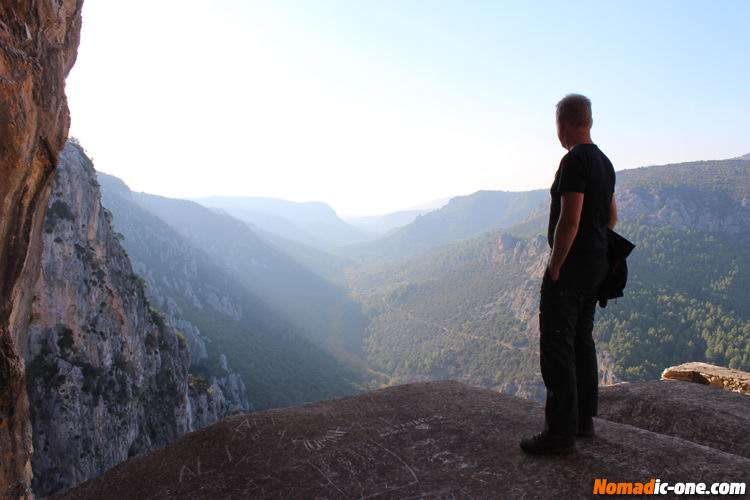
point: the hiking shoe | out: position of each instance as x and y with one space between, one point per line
586 428
546 443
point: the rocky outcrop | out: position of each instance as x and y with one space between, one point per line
701 414
425 440
213 397
215 390
38 43
716 376
106 376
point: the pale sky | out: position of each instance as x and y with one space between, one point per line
377 105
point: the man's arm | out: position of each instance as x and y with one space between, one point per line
566 230
612 213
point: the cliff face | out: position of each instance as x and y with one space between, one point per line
213 397
106 376
173 272
38 43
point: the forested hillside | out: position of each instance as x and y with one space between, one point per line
687 296
468 310
463 217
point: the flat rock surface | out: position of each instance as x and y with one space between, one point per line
434 440
704 373
699 413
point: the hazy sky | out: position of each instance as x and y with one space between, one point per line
377 105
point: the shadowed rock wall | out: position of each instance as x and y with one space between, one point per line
38 43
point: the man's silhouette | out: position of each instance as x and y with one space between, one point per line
582 207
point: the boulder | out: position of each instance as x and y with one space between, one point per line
717 376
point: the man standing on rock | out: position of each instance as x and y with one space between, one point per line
581 209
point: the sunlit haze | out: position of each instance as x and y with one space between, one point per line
374 106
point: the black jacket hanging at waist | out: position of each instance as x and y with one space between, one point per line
618 249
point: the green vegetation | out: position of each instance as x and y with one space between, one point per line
685 302
456 313
151 342
39 369
59 210
468 310
724 179
124 371
181 339
64 337
198 383
92 378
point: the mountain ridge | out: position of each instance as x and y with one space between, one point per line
463 217
315 306
313 223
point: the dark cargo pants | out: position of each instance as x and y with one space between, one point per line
567 351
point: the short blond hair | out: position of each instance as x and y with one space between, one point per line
575 110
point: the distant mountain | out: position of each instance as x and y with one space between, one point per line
272 317
705 195
312 223
430 205
321 310
745 157
712 196
383 223
463 217
467 310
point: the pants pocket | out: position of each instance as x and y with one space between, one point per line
558 307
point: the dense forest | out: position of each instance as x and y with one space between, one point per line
685 302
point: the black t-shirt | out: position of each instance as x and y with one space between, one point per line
585 169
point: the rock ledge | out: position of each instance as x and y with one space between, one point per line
431 440
716 376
